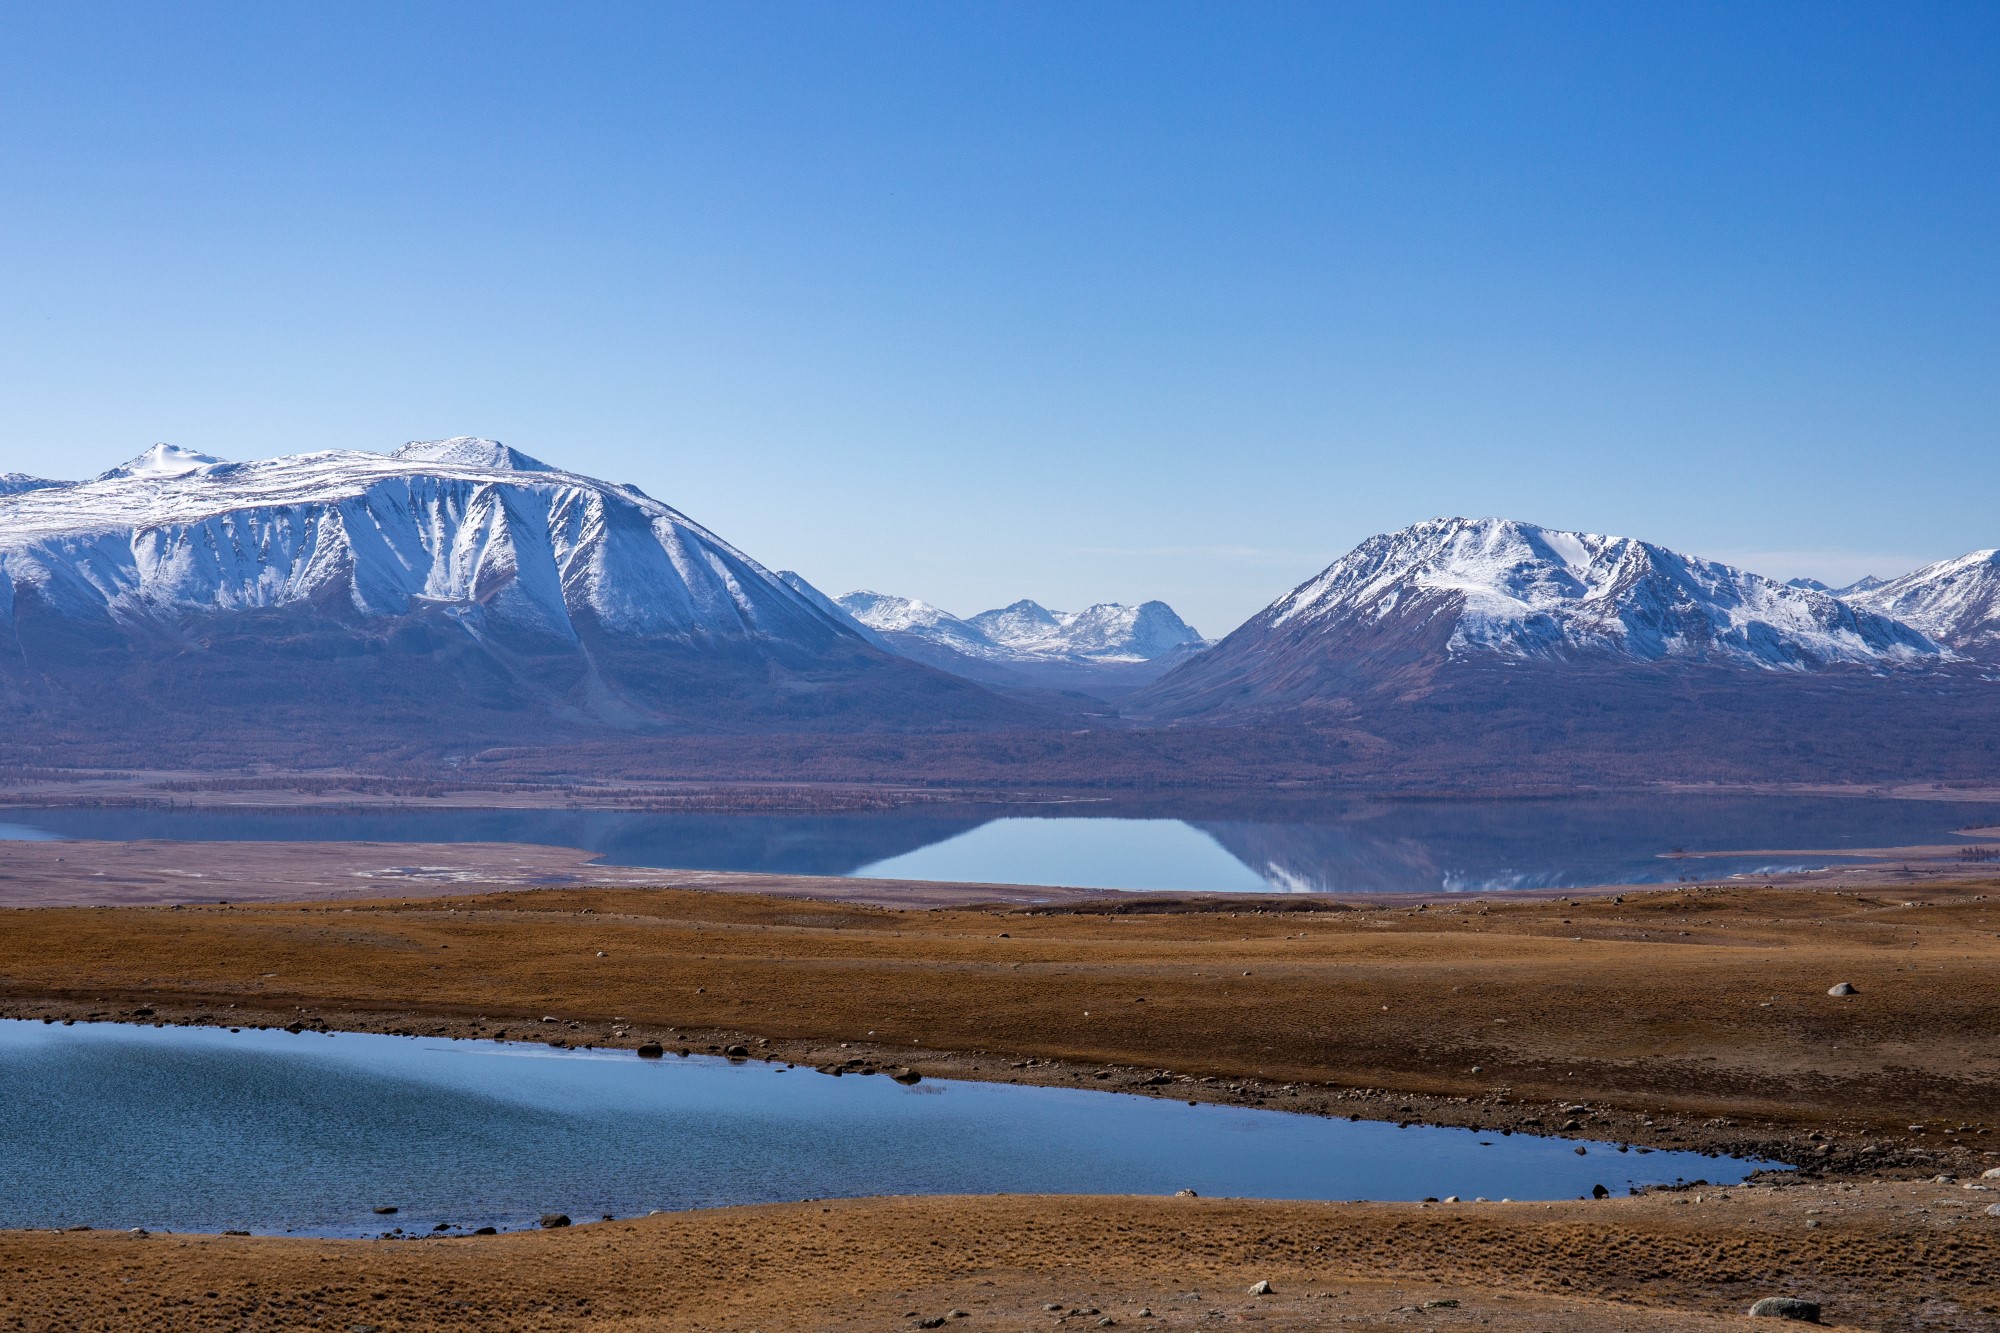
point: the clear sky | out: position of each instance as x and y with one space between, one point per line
976 301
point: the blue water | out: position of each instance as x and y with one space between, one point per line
1190 842
199 1129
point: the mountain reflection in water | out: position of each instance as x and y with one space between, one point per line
1213 842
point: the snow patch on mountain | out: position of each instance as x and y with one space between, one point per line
1517 590
1956 602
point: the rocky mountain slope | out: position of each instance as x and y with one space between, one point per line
1956 602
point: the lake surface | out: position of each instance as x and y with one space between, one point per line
1212 844
199 1129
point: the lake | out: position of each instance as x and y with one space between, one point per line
201 1129
1191 842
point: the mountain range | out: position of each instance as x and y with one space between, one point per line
1404 605
1107 649
459 597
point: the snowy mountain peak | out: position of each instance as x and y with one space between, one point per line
1027 631
464 528
470 451
162 461
1024 624
1514 589
885 611
1956 602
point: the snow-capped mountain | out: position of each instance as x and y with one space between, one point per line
1026 630
14 483
887 615
1454 589
1105 632
464 527
464 555
1866 583
1108 646
1956 602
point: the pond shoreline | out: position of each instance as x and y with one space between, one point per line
1795 1149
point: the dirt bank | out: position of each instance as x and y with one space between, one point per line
1887 1257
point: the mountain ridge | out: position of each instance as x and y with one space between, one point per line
1106 649
489 573
1403 605
1956 601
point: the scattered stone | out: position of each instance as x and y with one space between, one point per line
1145 1312
935 1321
1447 1303
957 1314
1993 1174
1599 1192
1580 1152
651 1050
1992 1210
487 1231
549 1221
1786 1307
1839 988
1186 1194
907 1076
386 1210
737 1052
1106 1322
1260 1288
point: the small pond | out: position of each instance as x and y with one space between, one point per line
202 1129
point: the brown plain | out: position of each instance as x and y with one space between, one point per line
1703 1012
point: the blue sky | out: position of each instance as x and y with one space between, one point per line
1078 302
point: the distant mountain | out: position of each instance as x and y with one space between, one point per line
15 483
450 575
1956 602
1865 583
1108 646
458 603
1403 605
